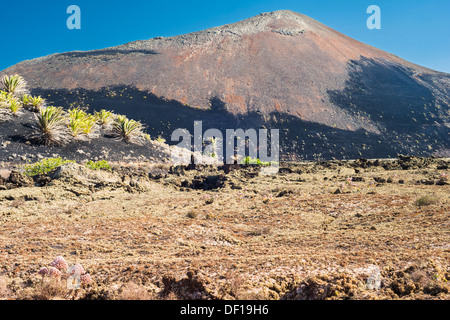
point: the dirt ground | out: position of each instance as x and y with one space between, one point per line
315 230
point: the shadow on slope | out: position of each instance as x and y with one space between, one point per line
299 139
398 100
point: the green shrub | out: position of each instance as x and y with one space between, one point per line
3 95
103 117
128 130
250 160
76 126
36 103
44 166
81 122
99 165
14 106
51 126
13 84
89 124
5 98
160 139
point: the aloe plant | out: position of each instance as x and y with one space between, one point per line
103 117
14 84
36 103
89 124
14 106
76 126
51 126
77 113
25 99
128 130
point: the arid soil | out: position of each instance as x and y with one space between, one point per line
316 230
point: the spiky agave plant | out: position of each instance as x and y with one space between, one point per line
51 126
128 130
76 121
77 113
14 84
89 126
14 106
4 98
76 126
103 117
36 103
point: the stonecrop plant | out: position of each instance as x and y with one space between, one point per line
89 126
99 165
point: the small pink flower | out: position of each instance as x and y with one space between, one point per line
43 272
53 272
86 278
76 269
59 263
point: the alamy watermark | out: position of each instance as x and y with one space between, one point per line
74 20
239 146
374 21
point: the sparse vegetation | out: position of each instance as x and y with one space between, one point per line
14 106
36 103
160 139
5 292
14 84
250 160
426 200
51 127
44 166
243 243
99 165
133 291
128 130
103 117
55 126
191 214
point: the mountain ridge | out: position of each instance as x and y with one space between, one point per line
278 66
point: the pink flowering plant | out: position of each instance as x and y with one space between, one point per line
59 269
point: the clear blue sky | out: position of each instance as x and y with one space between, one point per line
416 30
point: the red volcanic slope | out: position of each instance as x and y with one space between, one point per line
281 62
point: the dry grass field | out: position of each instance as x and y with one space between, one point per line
313 231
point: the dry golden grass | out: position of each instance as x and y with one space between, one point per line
275 234
133 291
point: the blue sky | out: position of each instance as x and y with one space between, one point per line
415 30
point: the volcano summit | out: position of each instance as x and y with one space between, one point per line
330 95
